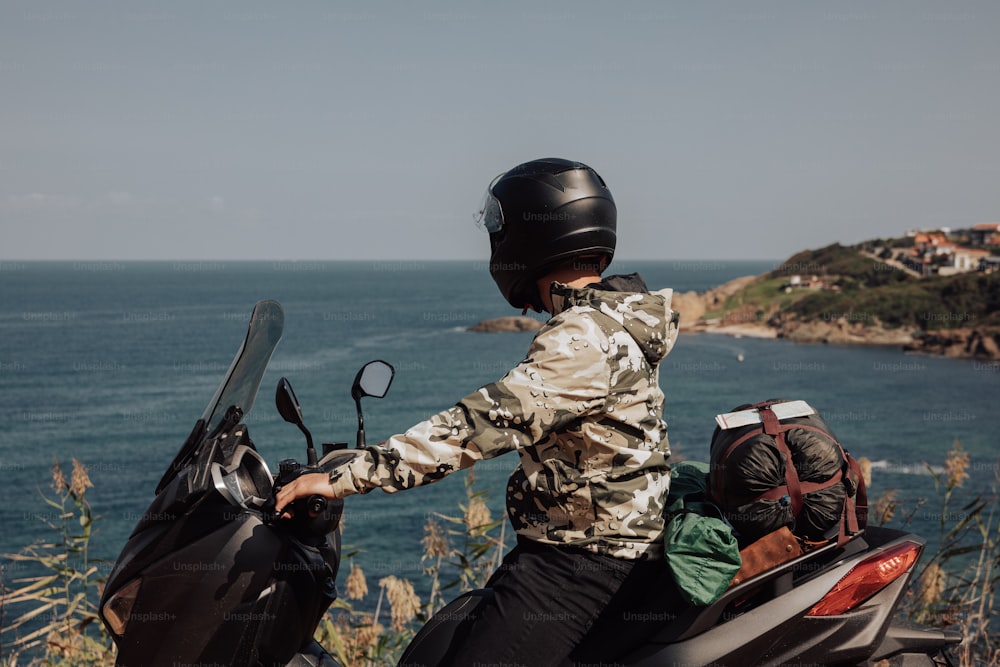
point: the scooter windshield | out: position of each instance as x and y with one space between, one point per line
239 386
242 381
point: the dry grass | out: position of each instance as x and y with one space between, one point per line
465 555
955 585
50 618
53 612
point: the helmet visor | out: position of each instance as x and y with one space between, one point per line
490 215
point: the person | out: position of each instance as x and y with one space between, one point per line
584 411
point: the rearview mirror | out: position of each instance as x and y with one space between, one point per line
373 380
290 410
287 403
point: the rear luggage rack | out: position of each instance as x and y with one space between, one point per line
786 410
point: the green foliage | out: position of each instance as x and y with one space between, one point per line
900 242
928 304
849 268
764 295
870 292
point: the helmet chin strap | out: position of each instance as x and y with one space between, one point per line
533 308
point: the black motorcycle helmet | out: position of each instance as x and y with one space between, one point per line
541 215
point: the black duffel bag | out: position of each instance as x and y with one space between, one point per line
777 463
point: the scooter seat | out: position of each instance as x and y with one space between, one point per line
431 644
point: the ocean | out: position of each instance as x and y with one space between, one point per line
110 363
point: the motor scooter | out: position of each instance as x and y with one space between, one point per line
209 575
212 576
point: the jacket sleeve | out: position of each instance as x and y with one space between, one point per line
565 376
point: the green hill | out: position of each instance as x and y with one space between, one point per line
842 282
847 268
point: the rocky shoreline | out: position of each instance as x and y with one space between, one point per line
970 343
959 343
512 324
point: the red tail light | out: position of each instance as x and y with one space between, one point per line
867 578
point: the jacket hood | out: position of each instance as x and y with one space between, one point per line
646 316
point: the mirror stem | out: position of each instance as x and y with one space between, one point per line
310 450
361 424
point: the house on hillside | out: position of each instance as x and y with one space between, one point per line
940 252
989 264
915 260
929 251
943 250
933 254
924 240
985 233
963 260
798 282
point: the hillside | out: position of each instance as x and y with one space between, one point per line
841 294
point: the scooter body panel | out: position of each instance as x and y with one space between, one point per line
241 594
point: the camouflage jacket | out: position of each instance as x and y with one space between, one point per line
584 412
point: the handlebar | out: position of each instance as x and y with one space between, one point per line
312 516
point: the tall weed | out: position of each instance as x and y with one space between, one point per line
53 611
955 585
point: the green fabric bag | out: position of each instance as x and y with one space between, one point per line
700 546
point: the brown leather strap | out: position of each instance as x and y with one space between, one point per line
774 428
791 475
855 516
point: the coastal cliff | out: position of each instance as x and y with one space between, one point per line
841 295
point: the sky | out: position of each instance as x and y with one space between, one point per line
224 129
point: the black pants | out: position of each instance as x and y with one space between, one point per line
563 605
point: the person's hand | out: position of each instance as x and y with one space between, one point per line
314 483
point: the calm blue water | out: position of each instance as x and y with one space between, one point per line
112 362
